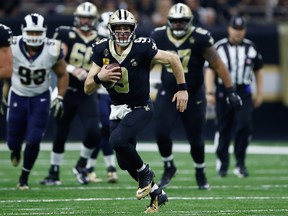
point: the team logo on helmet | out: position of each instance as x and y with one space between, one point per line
125 18
86 10
34 23
180 13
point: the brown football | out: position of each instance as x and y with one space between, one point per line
112 65
109 66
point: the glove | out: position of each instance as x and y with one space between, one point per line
4 105
233 99
57 107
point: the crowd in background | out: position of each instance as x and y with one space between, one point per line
153 12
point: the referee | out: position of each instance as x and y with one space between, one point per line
245 65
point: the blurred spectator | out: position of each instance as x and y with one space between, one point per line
159 17
145 9
9 8
197 10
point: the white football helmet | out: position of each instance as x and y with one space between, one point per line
36 23
118 18
87 10
180 13
102 27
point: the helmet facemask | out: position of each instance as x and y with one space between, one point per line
124 20
179 19
34 30
89 11
179 27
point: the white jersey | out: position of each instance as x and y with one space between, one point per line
32 76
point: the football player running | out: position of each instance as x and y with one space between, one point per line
131 108
6 59
77 41
193 45
104 108
34 57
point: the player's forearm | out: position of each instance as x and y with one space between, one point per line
90 86
222 72
62 84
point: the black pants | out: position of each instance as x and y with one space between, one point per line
239 122
87 110
193 120
123 135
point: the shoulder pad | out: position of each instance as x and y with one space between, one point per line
54 46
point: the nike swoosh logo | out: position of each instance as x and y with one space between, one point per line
198 102
42 99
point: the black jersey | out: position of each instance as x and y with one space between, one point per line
133 88
190 51
79 51
5 36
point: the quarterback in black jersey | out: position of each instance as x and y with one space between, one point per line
6 58
194 46
77 44
131 108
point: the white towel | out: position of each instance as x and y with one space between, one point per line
119 111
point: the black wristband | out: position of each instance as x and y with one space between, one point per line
210 93
96 79
182 87
230 89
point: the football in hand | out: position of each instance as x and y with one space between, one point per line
110 66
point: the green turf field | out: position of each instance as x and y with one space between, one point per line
264 192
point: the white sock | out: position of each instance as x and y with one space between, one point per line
85 152
142 168
91 163
56 158
109 160
201 165
169 158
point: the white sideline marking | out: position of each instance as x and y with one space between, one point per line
133 198
177 147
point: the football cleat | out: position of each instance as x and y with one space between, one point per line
169 173
222 173
51 180
112 174
201 180
15 158
145 179
81 174
158 199
22 185
240 172
93 177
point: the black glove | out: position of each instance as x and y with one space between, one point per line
57 107
233 99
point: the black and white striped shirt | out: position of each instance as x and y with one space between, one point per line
241 60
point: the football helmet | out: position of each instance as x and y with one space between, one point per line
180 13
122 18
86 10
103 24
34 23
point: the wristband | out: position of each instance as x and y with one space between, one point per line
230 89
96 79
182 87
70 68
209 93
